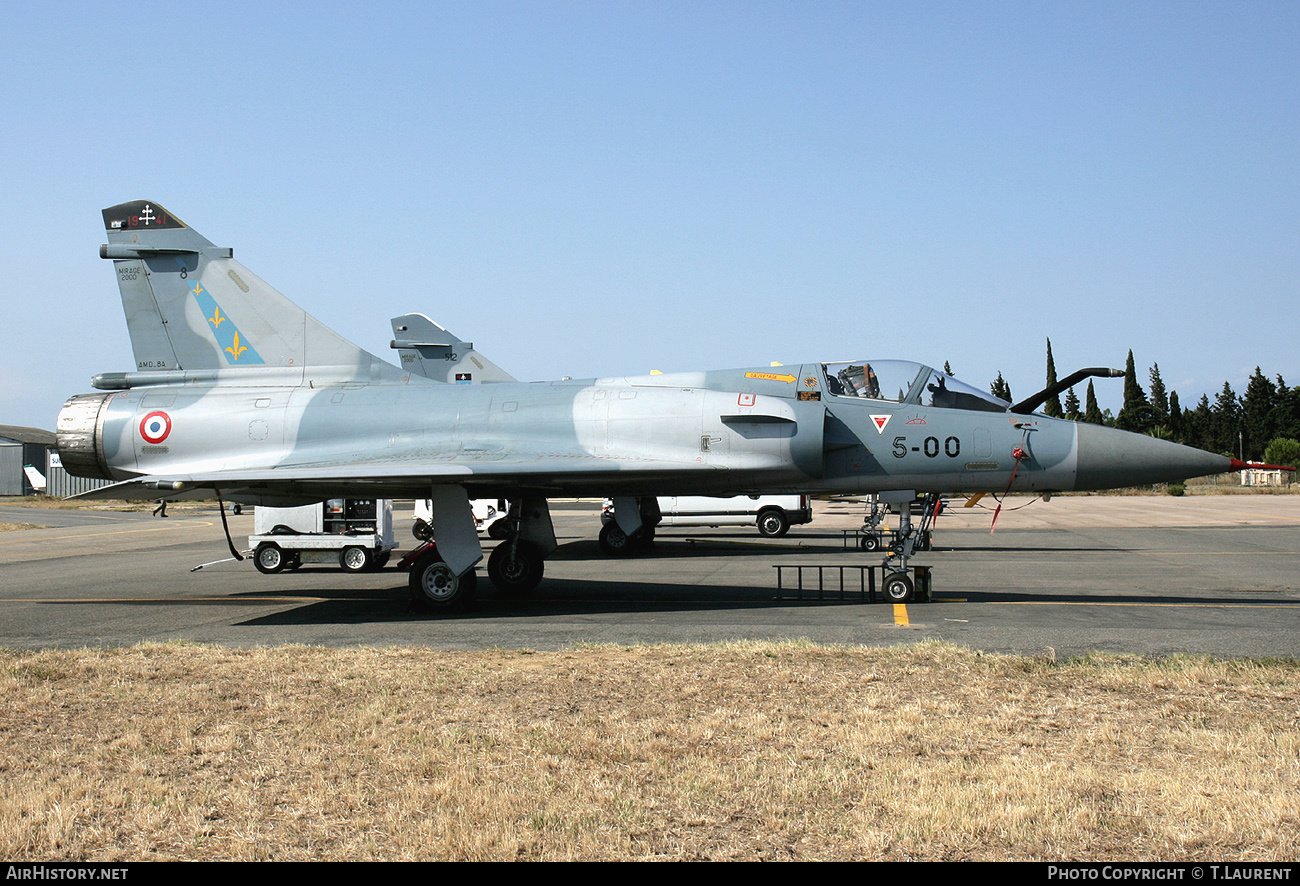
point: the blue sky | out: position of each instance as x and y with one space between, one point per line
591 189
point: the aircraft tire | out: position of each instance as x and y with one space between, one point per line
435 588
773 523
615 542
421 530
355 558
898 587
869 542
516 571
269 558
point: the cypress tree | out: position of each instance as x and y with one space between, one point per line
1091 413
1159 399
1177 425
1053 405
1135 414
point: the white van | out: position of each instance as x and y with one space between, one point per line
772 514
488 516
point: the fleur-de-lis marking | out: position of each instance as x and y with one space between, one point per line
236 348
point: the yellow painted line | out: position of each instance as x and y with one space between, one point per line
184 524
900 615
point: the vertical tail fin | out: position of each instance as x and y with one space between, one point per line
429 350
190 306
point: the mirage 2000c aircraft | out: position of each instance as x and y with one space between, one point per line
239 393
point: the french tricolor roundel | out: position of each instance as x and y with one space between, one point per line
155 427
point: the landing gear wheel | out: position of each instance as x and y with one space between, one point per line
435 588
355 559
615 542
898 587
269 558
515 568
869 542
421 530
773 524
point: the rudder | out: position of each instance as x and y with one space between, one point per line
190 306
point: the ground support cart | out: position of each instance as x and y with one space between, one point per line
355 534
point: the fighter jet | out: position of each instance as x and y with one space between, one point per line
240 394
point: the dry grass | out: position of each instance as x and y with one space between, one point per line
741 751
9 527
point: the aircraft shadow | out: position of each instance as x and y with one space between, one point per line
577 597
682 548
556 597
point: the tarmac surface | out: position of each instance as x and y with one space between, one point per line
1152 575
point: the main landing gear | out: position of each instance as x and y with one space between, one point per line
435 587
515 566
617 543
630 528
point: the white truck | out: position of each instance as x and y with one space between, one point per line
355 533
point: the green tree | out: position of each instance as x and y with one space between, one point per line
1177 424
1258 414
1053 405
1159 400
1287 412
1197 425
1091 413
1224 430
1072 405
1283 451
1001 389
1135 414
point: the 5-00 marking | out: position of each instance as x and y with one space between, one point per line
951 447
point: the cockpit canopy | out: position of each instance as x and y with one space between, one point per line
901 381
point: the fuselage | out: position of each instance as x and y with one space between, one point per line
774 429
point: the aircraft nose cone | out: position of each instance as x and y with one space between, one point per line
1110 458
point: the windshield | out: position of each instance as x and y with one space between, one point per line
900 381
